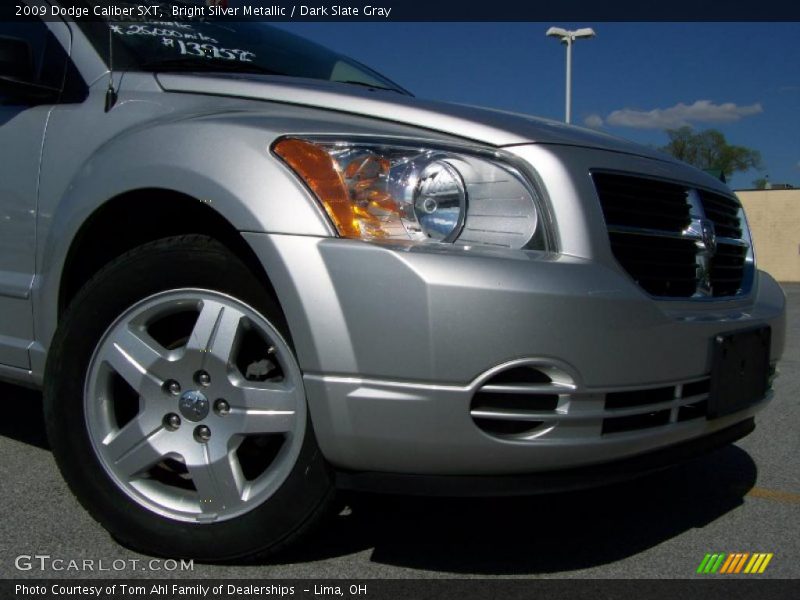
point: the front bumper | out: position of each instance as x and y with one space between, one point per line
564 480
396 342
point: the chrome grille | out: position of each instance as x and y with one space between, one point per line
727 266
643 203
724 212
673 240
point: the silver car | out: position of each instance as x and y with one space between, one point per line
248 271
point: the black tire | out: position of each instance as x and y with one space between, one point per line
179 262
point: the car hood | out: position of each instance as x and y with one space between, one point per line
494 127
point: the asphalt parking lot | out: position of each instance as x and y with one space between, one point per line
744 498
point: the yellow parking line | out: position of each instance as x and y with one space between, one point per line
778 495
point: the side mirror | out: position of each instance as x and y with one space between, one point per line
17 72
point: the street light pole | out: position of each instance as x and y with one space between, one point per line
568 37
568 107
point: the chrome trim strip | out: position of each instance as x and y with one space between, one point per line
651 232
524 388
502 414
732 242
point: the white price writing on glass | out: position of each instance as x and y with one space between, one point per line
146 30
212 51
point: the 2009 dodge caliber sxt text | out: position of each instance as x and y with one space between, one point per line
250 271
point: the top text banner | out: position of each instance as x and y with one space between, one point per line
406 10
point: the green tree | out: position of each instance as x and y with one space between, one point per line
760 183
708 149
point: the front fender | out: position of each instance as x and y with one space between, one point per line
220 161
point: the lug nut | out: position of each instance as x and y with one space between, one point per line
172 387
172 421
203 378
222 408
202 434
271 350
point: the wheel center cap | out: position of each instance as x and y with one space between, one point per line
193 405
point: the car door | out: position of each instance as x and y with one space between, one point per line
23 122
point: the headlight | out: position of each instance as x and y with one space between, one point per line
377 191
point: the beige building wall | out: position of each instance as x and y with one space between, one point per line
774 217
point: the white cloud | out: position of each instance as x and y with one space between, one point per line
702 111
594 121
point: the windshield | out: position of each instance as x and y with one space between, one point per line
222 46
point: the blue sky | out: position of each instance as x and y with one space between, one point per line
633 80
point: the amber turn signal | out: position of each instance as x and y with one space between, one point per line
322 175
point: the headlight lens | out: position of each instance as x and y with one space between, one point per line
384 192
439 200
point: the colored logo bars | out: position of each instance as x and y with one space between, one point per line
739 562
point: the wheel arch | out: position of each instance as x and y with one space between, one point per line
139 216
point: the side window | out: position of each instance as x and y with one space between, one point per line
49 58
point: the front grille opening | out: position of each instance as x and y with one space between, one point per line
639 397
642 203
724 212
727 269
515 402
507 428
645 219
636 422
696 388
696 410
647 222
520 375
662 266
511 403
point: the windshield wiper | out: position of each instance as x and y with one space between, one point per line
205 64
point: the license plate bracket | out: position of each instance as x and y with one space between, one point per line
739 370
